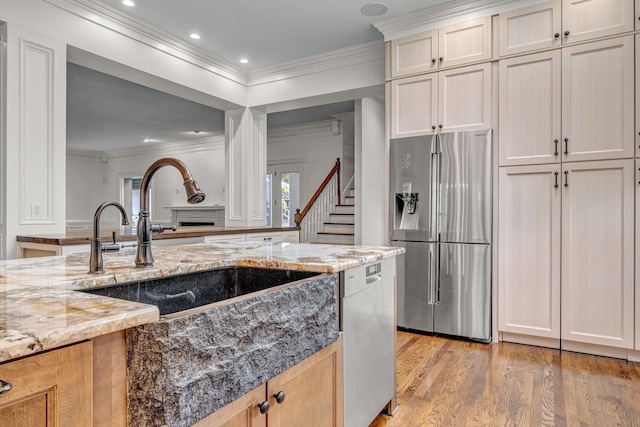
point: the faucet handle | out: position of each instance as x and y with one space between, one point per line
113 246
157 228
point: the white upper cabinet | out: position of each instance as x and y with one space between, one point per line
597 253
588 19
464 100
637 17
534 27
529 108
414 106
452 100
598 100
414 54
449 46
465 43
529 251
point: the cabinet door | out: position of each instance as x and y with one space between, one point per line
583 20
464 43
597 100
530 109
49 389
414 54
242 412
597 253
637 15
274 238
312 391
465 98
535 27
529 250
414 105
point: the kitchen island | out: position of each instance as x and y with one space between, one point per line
40 308
77 241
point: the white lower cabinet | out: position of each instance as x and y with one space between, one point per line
593 202
529 236
637 185
597 253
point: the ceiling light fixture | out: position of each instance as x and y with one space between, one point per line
244 61
146 140
195 36
128 3
374 9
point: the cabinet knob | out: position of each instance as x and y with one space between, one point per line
5 386
263 407
566 33
433 127
556 35
433 60
279 396
440 126
441 59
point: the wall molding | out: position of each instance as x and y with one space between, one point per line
171 148
447 13
315 129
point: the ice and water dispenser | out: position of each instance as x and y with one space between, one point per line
406 209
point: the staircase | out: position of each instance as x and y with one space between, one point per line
339 230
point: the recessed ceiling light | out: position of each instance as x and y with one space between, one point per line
244 61
146 140
374 9
128 3
195 36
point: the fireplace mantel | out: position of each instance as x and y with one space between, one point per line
182 216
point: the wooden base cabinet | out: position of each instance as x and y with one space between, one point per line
310 395
51 389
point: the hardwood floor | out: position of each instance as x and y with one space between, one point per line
447 382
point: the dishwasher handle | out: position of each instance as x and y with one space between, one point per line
373 279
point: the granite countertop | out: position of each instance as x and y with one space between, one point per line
81 237
40 309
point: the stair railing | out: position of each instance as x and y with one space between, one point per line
317 211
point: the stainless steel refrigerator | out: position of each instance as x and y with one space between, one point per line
441 199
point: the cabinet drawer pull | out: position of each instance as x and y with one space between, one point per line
566 178
555 141
556 179
566 146
279 396
268 239
263 407
5 387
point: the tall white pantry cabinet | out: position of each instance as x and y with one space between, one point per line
566 178
568 183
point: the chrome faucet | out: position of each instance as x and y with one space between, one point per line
95 256
144 258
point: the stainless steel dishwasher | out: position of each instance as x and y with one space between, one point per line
368 324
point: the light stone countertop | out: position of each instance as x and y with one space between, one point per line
40 309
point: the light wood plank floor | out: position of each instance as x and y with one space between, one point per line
447 382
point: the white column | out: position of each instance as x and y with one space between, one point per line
246 160
34 142
370 172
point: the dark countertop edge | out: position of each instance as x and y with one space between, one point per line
181 233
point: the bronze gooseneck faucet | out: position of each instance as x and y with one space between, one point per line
144 258
95 256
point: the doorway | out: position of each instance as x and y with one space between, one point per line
283 189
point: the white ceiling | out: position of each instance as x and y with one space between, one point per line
106 113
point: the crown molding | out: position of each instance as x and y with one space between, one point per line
447 13
316 129
194 145
335 59
114 20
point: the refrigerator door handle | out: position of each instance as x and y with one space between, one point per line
435 274
433 269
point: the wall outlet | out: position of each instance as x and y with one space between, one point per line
36 210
